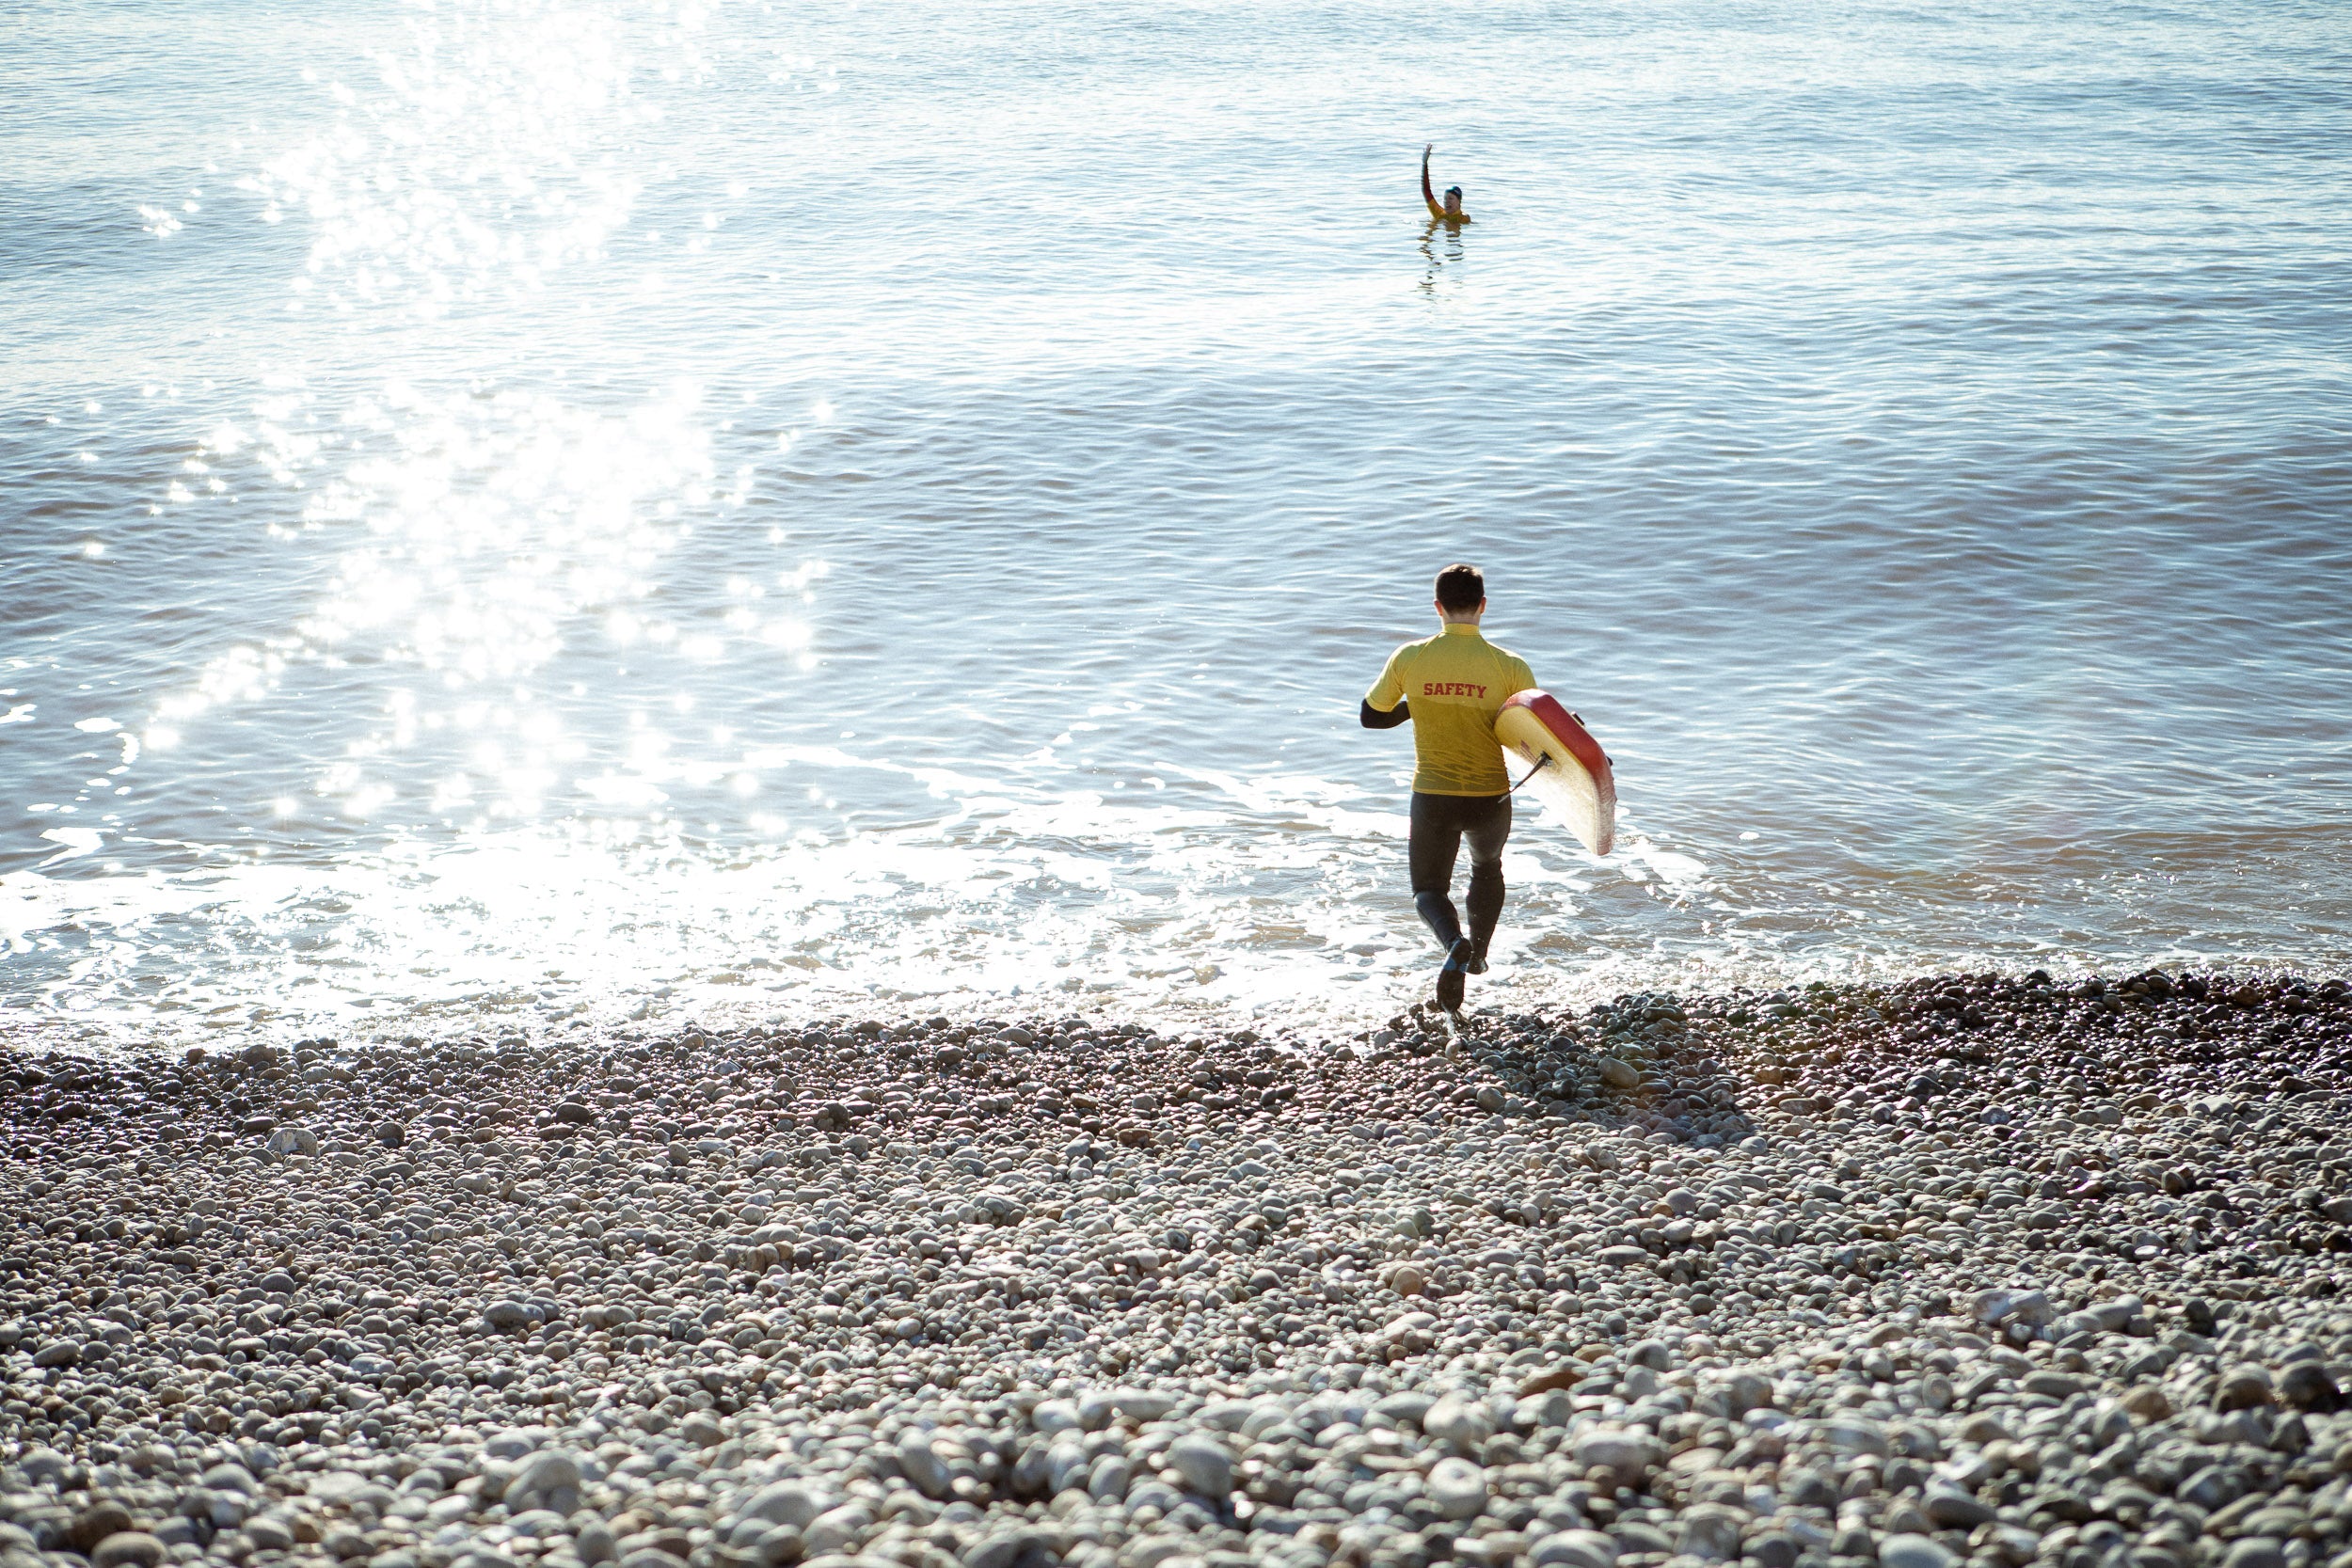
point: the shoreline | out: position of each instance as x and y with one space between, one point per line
1958 1268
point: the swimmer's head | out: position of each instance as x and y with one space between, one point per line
1454 202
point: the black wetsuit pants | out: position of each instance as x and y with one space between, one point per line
1440 823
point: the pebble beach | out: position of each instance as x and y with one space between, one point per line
1999 1270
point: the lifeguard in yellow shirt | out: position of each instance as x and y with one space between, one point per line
1451 686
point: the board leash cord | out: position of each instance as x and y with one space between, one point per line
1541 763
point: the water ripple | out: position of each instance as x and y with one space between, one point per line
591 508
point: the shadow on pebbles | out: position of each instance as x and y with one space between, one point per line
1968 1268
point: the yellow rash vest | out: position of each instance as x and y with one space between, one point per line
1456 682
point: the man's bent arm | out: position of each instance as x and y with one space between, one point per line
1372 719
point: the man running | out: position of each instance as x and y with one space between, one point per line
1460 789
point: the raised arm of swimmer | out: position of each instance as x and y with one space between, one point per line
1450 210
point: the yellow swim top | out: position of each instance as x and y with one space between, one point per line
1456 682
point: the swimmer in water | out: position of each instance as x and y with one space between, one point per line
1450 213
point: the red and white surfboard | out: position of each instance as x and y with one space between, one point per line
1571 771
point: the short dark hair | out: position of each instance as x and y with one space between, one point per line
1461 586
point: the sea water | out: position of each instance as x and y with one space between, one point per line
567 512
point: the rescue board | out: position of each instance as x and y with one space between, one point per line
1570 771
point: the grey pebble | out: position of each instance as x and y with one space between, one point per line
1458 1488
1914 1551
1206 1465
127 1549
1575 1548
